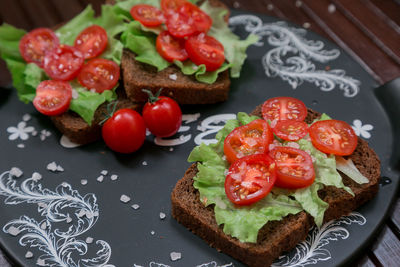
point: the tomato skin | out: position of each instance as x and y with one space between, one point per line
179 24
163 118
333 137
125 131
147 15
252 138
287 162
284 108
204 49
170 48
92 41
63 63
201 20
171 5
53 97
99 74
250 179
290 130
34 45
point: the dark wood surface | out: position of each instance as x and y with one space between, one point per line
368 30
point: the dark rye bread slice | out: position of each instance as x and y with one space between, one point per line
78 131
275 237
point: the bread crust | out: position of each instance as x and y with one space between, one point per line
275 237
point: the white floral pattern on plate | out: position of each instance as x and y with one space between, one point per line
362 130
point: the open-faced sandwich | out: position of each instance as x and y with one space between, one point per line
72 73
270 176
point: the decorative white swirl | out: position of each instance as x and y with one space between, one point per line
56 207
297 68
311 250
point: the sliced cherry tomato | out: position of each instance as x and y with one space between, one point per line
252 138
201 20
294 167
290 130
35 44
63 63
179 24
147 15
52 97
170 48
92 41
99 74
333 137
171 5
125 131
284 108
250 179
162 116
204 49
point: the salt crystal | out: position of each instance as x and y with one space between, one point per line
89 240
270 6
20 145
59 168
171 149
152 233
36 176
89 215
298 3
306 25
16 172
69 219
34 133
14 231
96 213
104 172
100 178
175 256
26 117
81 213
125 199
331 8
144 163
135 206
173 77
40 262
162 215
52 166
28 255
64 184
236 4
114 177
43 226
84 182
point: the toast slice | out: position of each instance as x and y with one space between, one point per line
78 131
275 237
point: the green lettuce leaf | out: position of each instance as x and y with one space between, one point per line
26 77
245 222
139 40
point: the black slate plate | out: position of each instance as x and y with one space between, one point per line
323 76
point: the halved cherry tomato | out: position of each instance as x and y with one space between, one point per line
179 24
294 167
99 74
290 130
91 41
52 97
35 44
63 63
170 48
171 5
204 49
147 15
125 131
250 179
201 20
252 138
284 108
333 137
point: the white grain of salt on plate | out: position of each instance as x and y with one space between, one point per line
162 215
171 149
298 3
84 182
21 145
43 226
14 231
29 255
41 262
175 256
104 172
270 6
135 206
125 199
36 176
26 117
306 25
69 219
34 133
15 171
144 163
100 179
89 240
114 177
81 213
331 8
152 233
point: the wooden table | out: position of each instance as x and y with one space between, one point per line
368 30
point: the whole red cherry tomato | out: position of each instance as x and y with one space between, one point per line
162 115
53 97
35 44
92 41
250 179
125 131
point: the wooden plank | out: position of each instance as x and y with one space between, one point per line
96 4
373 26
252 6
365 262
387 248
67 12
41 15
355 42
10 11
387 10
395 215
3 261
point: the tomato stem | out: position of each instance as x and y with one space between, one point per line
111 108
152 98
